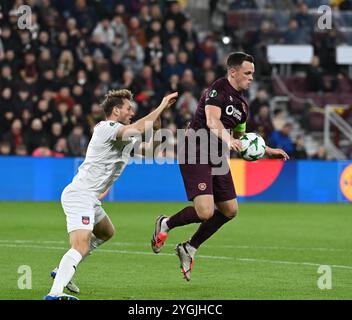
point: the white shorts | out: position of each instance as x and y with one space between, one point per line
82 209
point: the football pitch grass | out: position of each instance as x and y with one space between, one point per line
270 251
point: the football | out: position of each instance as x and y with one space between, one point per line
253 146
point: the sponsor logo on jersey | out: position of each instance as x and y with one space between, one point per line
85 220
232 111
213 93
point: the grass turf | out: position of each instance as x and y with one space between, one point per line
270 251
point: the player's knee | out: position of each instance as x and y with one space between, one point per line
230 212
81 246
108 234
205 212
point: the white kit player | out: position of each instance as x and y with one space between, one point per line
107 155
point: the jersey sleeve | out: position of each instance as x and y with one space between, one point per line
108 131
215 96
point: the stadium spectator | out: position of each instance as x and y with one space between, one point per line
262 122
207 49
304 19
45 61
261 99
134 56
119 28
95 115
175 13
36 135
88 46
81 97
187 102
315 76
173 45
105 31
44 113
5 148
295 35
209 78
281 139
300 152
43 151
171 67
26 119
188 83
116 67
278 119
182 59
6 78
321 154
60 147
136 31
23 100
188 33
78 118
154 50
21 150
169 30
64 96
84 15
56 133
15 136
66 62
77 141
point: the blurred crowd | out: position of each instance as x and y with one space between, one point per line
54 73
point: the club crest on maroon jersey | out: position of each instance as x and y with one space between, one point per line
202 186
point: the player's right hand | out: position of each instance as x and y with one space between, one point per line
169 100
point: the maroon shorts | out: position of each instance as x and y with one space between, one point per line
198 180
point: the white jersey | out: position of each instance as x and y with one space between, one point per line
105 160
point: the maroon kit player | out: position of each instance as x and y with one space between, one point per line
222 111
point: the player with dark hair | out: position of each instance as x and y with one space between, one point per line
107 155
222 110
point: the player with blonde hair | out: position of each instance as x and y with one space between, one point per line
107 155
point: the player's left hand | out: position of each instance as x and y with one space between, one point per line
277 153
169 100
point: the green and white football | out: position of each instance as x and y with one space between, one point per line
253 146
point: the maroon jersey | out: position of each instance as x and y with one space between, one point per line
234 107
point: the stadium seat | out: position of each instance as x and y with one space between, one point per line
296 106
316 97
330 98
345 98
278 91
344 85
316 121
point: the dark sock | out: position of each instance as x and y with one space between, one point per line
185 216
208 228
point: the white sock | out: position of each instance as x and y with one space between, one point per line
67 269
94 244
164 227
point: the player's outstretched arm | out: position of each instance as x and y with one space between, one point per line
147 122
276 153
213 115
